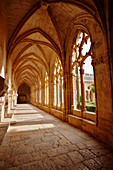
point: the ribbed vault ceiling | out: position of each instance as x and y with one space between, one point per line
37 34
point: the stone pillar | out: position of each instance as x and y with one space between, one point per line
42 93
61 91
10 99
2 108
72 80
46 86
16 96
51 94
77 89
38 95
88 95
83 108
3 31
15 99
35 94
67 90
49 100
56 92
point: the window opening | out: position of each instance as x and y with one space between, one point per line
83 75
58 84
46 90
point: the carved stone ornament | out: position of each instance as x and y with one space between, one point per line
44 4
3 87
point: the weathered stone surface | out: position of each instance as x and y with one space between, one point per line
76 157
62 161
92 164
87 154
51 147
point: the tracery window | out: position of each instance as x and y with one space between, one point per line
46 90
82 71
58 84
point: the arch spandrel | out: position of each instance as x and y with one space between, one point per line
97 36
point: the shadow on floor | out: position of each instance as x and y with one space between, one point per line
51 144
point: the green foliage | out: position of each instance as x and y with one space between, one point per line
90 103
80 98
92 87
91 108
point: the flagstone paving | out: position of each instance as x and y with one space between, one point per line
36 140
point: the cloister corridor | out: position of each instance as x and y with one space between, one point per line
37 140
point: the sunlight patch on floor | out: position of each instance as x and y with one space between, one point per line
29 127
26 111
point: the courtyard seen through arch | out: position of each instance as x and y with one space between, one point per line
58 84
83 73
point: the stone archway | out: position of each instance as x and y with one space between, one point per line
23 93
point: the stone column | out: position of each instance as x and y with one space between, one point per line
15 99
2 108
61 92
10 99
51 93
3 37
38 95
72 80
42 93
83 108
88 95
46 93
77 89
56 92
67 90
32 99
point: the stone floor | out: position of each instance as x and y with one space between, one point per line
3 130
40 141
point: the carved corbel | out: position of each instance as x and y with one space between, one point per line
44 4
3 87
